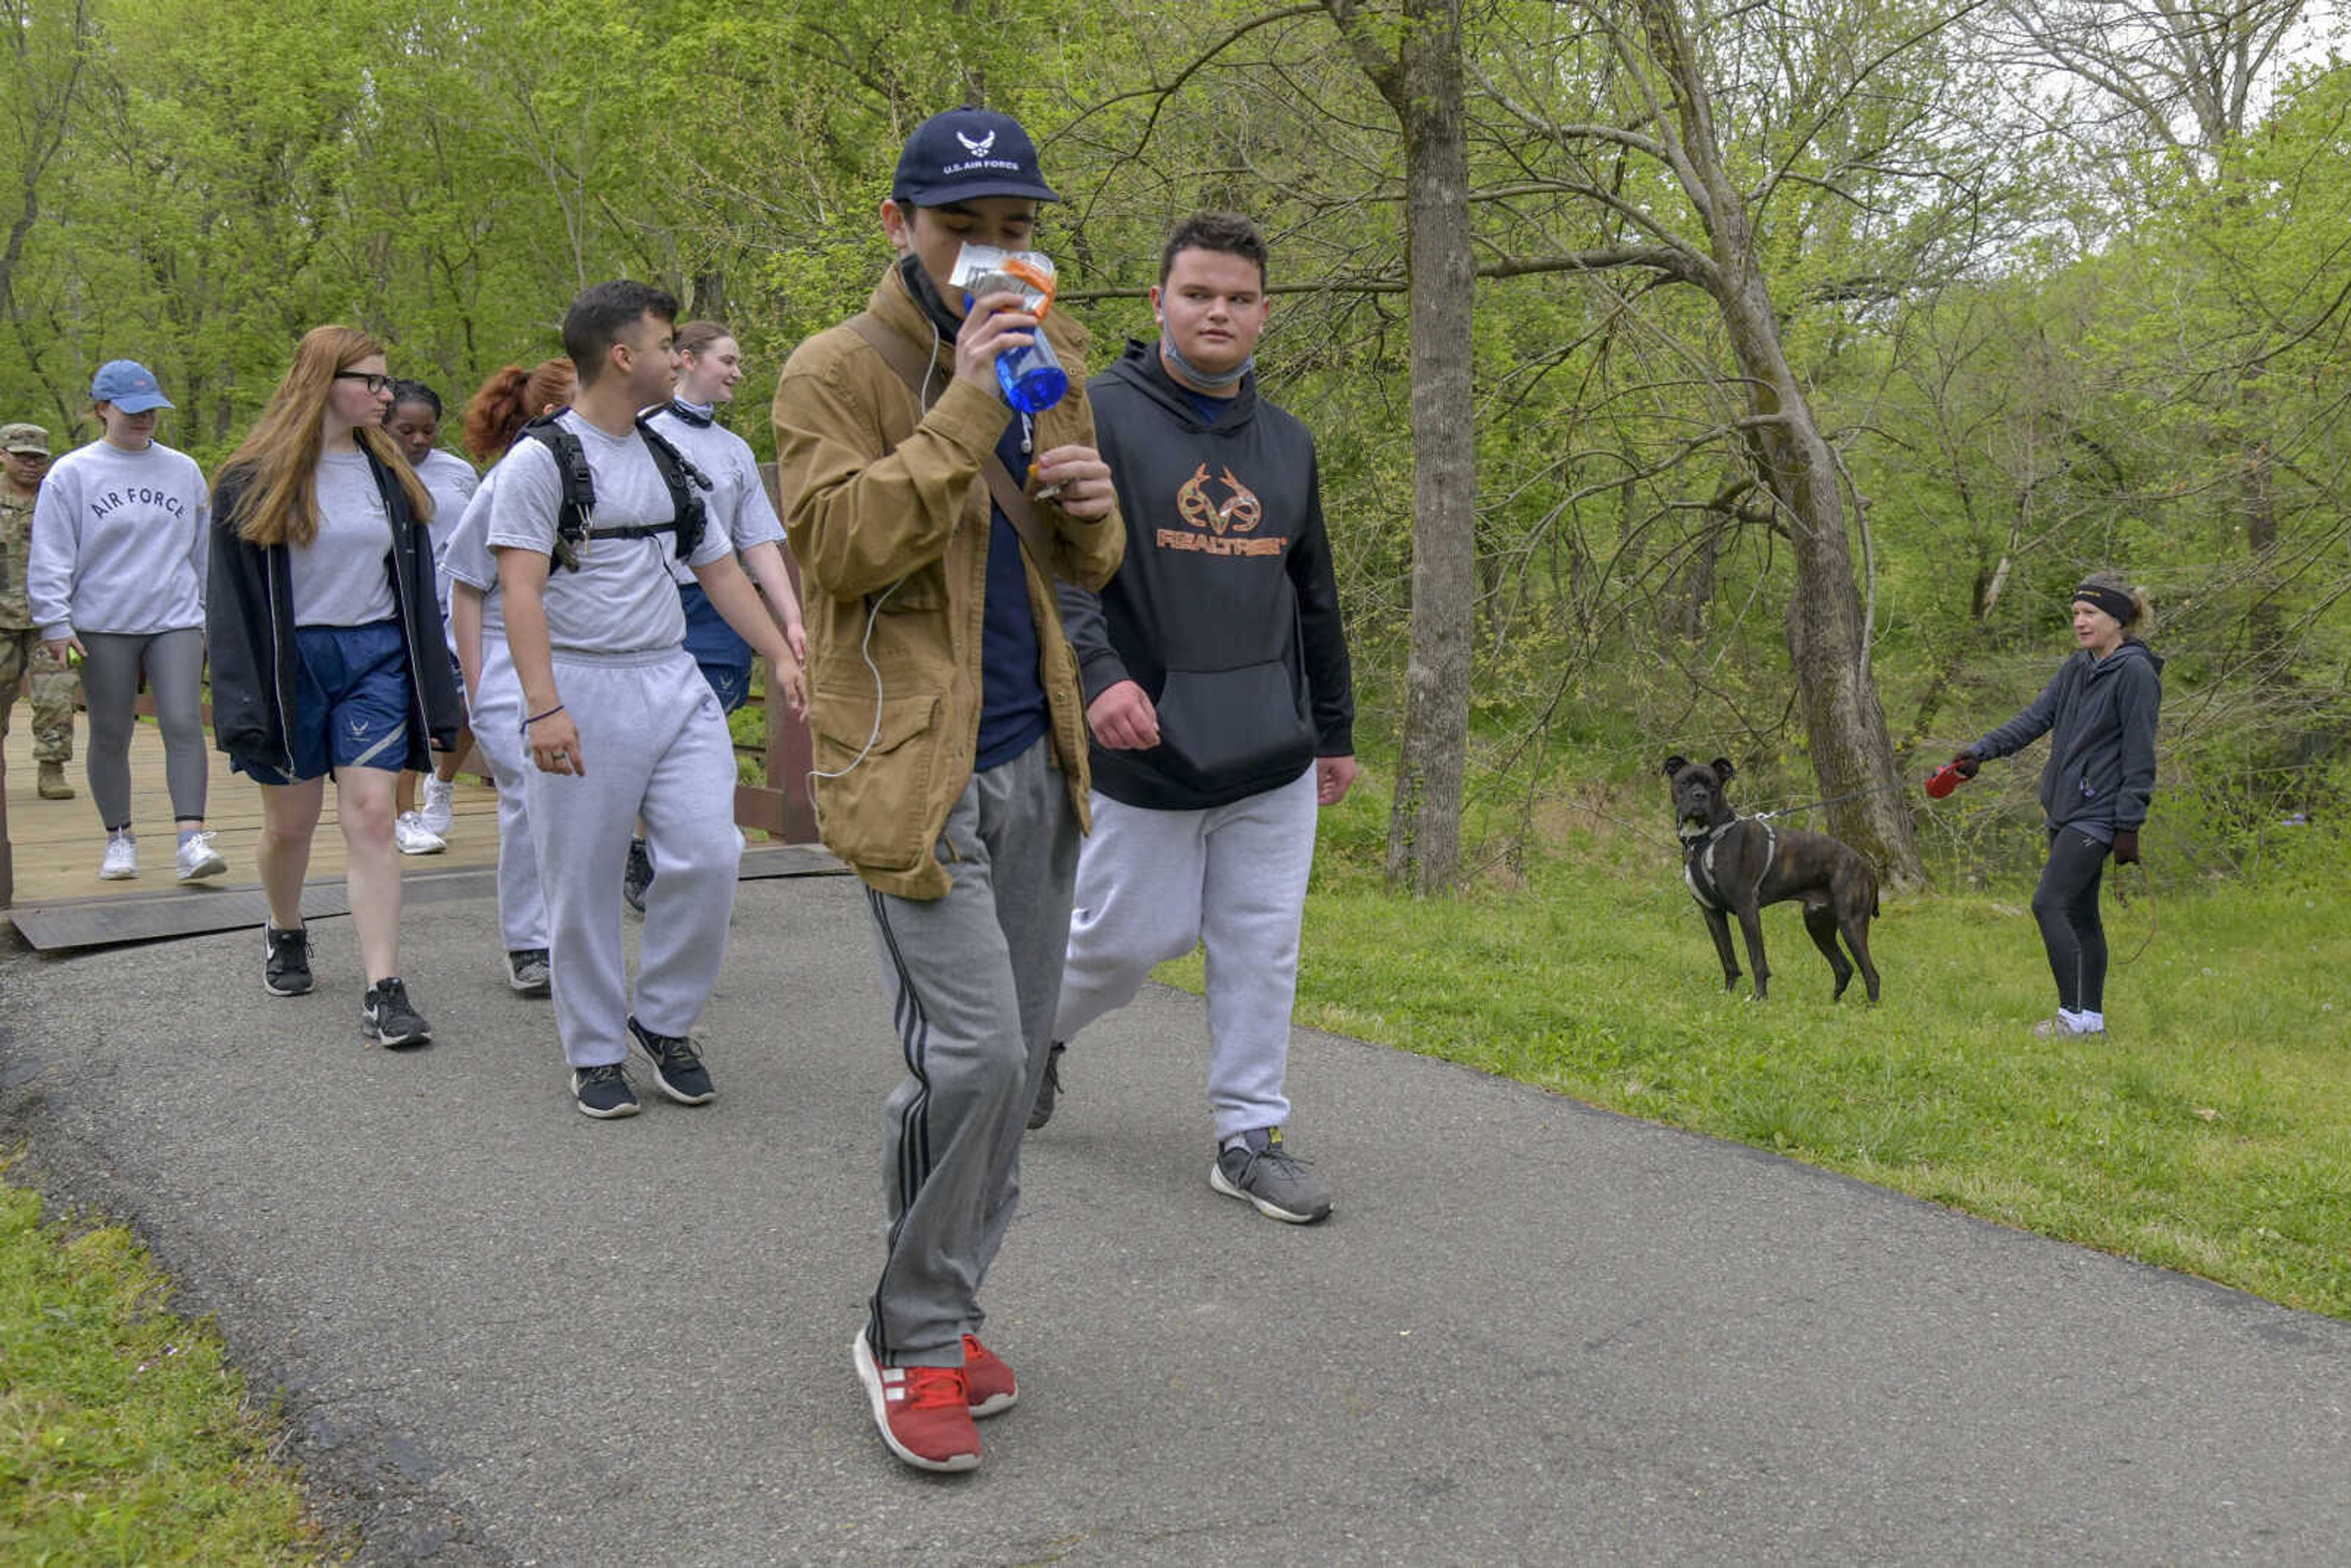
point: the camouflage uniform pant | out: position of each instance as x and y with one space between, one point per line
24 661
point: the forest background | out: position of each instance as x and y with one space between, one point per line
1751 379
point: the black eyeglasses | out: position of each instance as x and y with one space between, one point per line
375 383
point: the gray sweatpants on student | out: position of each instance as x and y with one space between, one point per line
657 747
1151 883
175 663
972 980
497 718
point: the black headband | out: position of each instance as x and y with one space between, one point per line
2112 600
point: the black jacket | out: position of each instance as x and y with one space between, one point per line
1226 610
2100 717
249 626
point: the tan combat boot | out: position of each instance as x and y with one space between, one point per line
53 782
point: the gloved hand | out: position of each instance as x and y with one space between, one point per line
1965 764
2126 846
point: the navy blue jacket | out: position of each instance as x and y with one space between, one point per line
2100 716
1226 610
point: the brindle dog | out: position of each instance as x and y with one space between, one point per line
1736 866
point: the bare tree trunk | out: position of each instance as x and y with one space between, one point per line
2265 628
1425 823
1853 755
1423 81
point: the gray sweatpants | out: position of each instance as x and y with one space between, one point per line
656 747
175 663
497 718
1151 883
971 979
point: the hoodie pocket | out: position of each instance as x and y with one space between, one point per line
1218 728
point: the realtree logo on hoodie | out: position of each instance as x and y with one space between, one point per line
1212 521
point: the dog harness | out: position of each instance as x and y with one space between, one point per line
1698 865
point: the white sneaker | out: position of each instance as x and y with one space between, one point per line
439 800
121 862
408 831
198 858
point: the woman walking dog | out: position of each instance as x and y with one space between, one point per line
2099 713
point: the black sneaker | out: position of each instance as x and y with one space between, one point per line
1049 1092
603 1091
285 960
526 970
639 877
385 1015
676 1066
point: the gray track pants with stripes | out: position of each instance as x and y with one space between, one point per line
973 980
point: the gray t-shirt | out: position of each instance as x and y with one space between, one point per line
343 576
451 481
622 599
466 555
738 498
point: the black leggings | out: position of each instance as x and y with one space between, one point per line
2066 905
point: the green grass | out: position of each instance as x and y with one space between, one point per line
2209 1130
124 1438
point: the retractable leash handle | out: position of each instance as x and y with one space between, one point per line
1945 779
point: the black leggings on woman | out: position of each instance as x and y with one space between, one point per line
2066 905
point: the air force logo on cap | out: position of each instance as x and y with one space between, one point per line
966 153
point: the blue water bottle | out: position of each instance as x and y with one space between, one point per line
1031 376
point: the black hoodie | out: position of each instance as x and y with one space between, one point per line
1226 610
2100 716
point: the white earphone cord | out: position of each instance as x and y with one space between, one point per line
873 614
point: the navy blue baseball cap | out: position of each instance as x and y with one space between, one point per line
129 386
964 153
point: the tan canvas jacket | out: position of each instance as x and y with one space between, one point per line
886 507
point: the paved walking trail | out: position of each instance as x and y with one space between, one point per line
1533 1333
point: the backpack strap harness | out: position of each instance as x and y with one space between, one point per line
575 520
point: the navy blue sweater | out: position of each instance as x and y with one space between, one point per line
2100 716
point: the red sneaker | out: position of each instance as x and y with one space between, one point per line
988 1379
923 1412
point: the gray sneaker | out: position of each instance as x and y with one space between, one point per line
1258 1170
526 970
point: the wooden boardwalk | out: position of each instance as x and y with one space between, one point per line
55 845
49 850
59 902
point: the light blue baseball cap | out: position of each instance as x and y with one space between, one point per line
129 386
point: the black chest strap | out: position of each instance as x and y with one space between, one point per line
575 520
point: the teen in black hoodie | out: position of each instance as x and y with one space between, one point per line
1219 697
2099 713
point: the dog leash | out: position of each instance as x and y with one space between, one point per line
1832 800
2147 879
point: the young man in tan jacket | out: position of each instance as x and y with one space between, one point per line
950 734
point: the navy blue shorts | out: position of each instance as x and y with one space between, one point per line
724 657
351 703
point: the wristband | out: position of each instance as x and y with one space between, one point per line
550 713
